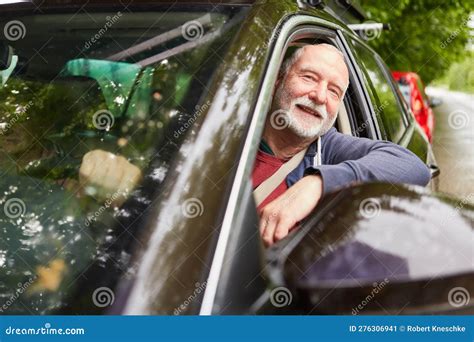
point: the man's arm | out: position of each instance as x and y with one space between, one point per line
349 159
345 160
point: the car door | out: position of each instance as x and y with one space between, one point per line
240 282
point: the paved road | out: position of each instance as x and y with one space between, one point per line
453 142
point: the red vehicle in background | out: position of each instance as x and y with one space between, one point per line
413 91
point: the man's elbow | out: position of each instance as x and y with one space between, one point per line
424 175
419 173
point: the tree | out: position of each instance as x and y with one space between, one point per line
426 36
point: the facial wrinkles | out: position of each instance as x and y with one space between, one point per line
306 127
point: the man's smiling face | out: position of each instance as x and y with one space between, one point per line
312 90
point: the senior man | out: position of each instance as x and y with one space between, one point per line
309 91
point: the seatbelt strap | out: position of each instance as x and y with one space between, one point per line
266 187
270 184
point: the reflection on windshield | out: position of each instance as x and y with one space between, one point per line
84 142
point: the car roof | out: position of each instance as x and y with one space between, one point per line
63 3
348 11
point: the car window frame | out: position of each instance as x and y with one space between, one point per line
401 102
374 128
294 28
402 106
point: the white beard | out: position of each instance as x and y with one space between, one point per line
307 126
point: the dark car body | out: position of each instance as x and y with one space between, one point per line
187 240
414 93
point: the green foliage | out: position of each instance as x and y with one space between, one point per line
426 36
460 75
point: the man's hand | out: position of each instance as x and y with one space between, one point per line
112 176
279 216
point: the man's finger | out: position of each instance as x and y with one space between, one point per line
282 229
262 224
268 234
265 216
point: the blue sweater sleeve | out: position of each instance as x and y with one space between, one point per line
348 159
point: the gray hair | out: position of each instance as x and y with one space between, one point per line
298 53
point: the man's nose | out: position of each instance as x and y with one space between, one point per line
318 94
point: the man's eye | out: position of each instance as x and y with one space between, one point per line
334 93
309 78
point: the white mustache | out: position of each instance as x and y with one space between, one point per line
304 101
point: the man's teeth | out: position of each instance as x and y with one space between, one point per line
309 110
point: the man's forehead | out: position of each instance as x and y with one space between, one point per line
324 59
322 50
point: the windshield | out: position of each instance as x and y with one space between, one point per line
93 108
